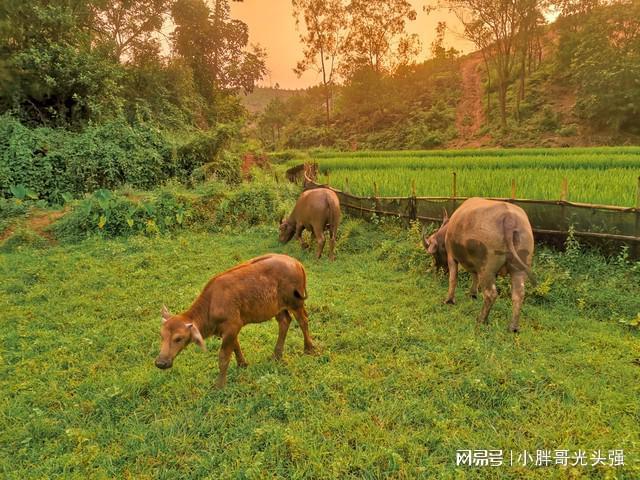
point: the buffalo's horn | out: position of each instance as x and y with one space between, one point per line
423 237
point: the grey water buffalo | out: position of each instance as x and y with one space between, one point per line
316 210
487 238
251 292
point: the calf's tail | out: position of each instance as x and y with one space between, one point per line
510 232
302 295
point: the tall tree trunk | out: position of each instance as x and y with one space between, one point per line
486 66
502 100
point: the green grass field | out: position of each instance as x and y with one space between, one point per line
400 382
597 175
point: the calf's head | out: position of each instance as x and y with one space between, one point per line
435 244
176 332
287 229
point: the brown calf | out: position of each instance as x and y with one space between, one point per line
252 292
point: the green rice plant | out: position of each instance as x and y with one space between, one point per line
602 176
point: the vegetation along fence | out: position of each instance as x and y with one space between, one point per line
605 226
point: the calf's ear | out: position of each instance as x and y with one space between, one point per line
196 336
166 314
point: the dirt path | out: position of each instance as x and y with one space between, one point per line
470 110
37 221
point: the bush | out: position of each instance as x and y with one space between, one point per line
205 148
250 205
112 215
53 162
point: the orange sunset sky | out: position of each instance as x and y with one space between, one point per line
271 24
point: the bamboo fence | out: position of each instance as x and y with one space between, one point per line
606 226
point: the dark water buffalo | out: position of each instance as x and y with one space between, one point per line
316 210
252 292
487 238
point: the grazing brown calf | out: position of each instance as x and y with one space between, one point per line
252 292
315 210
487 238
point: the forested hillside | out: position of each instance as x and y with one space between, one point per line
90 99
570 82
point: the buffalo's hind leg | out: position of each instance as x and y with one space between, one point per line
487 284
332 242
319 234
284 320
303 321
517 297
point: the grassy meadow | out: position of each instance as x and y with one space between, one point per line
607 175
399 384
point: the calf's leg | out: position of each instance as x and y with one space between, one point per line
303 321
284 320
517 296
487 283
453 280
242 362
229 339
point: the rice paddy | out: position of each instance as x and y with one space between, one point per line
604 175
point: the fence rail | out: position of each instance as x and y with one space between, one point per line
606 226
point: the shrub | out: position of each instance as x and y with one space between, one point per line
54 163
250 205
112 215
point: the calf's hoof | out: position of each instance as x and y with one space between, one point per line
332 258
243 364
219 385
310 350
450 301
474 296
276 357
514 329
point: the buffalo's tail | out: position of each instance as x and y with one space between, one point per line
510 233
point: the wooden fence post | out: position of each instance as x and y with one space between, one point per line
635 249
564 194
454 186
346 185
513 189
413 214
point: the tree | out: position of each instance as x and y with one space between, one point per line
602 54
377 36
499 28
215 46
54 75
323 37
128 25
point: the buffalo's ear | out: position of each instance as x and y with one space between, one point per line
166 314
445 218
432 246
196 336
